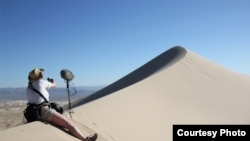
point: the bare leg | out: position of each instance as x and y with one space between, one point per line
61 121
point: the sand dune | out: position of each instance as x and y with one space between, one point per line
177 87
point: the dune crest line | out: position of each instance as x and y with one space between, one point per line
165 59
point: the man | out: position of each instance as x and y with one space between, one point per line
48 114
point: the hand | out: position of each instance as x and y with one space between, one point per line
50 80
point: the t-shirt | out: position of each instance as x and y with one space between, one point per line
40 85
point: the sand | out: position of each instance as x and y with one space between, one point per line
176 87
11 114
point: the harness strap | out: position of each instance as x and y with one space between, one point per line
39 93
38 105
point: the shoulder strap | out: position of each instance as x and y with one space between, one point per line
31 87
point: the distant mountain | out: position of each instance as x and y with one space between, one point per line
57 94
12 94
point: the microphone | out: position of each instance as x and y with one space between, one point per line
67 75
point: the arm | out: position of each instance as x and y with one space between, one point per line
53 83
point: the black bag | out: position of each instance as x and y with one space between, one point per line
56 106
32 113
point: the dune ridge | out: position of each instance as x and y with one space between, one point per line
193 90
166 59
177 87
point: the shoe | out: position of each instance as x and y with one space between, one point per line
92 138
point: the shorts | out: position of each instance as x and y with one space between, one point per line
47 113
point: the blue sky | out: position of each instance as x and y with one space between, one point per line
100 41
